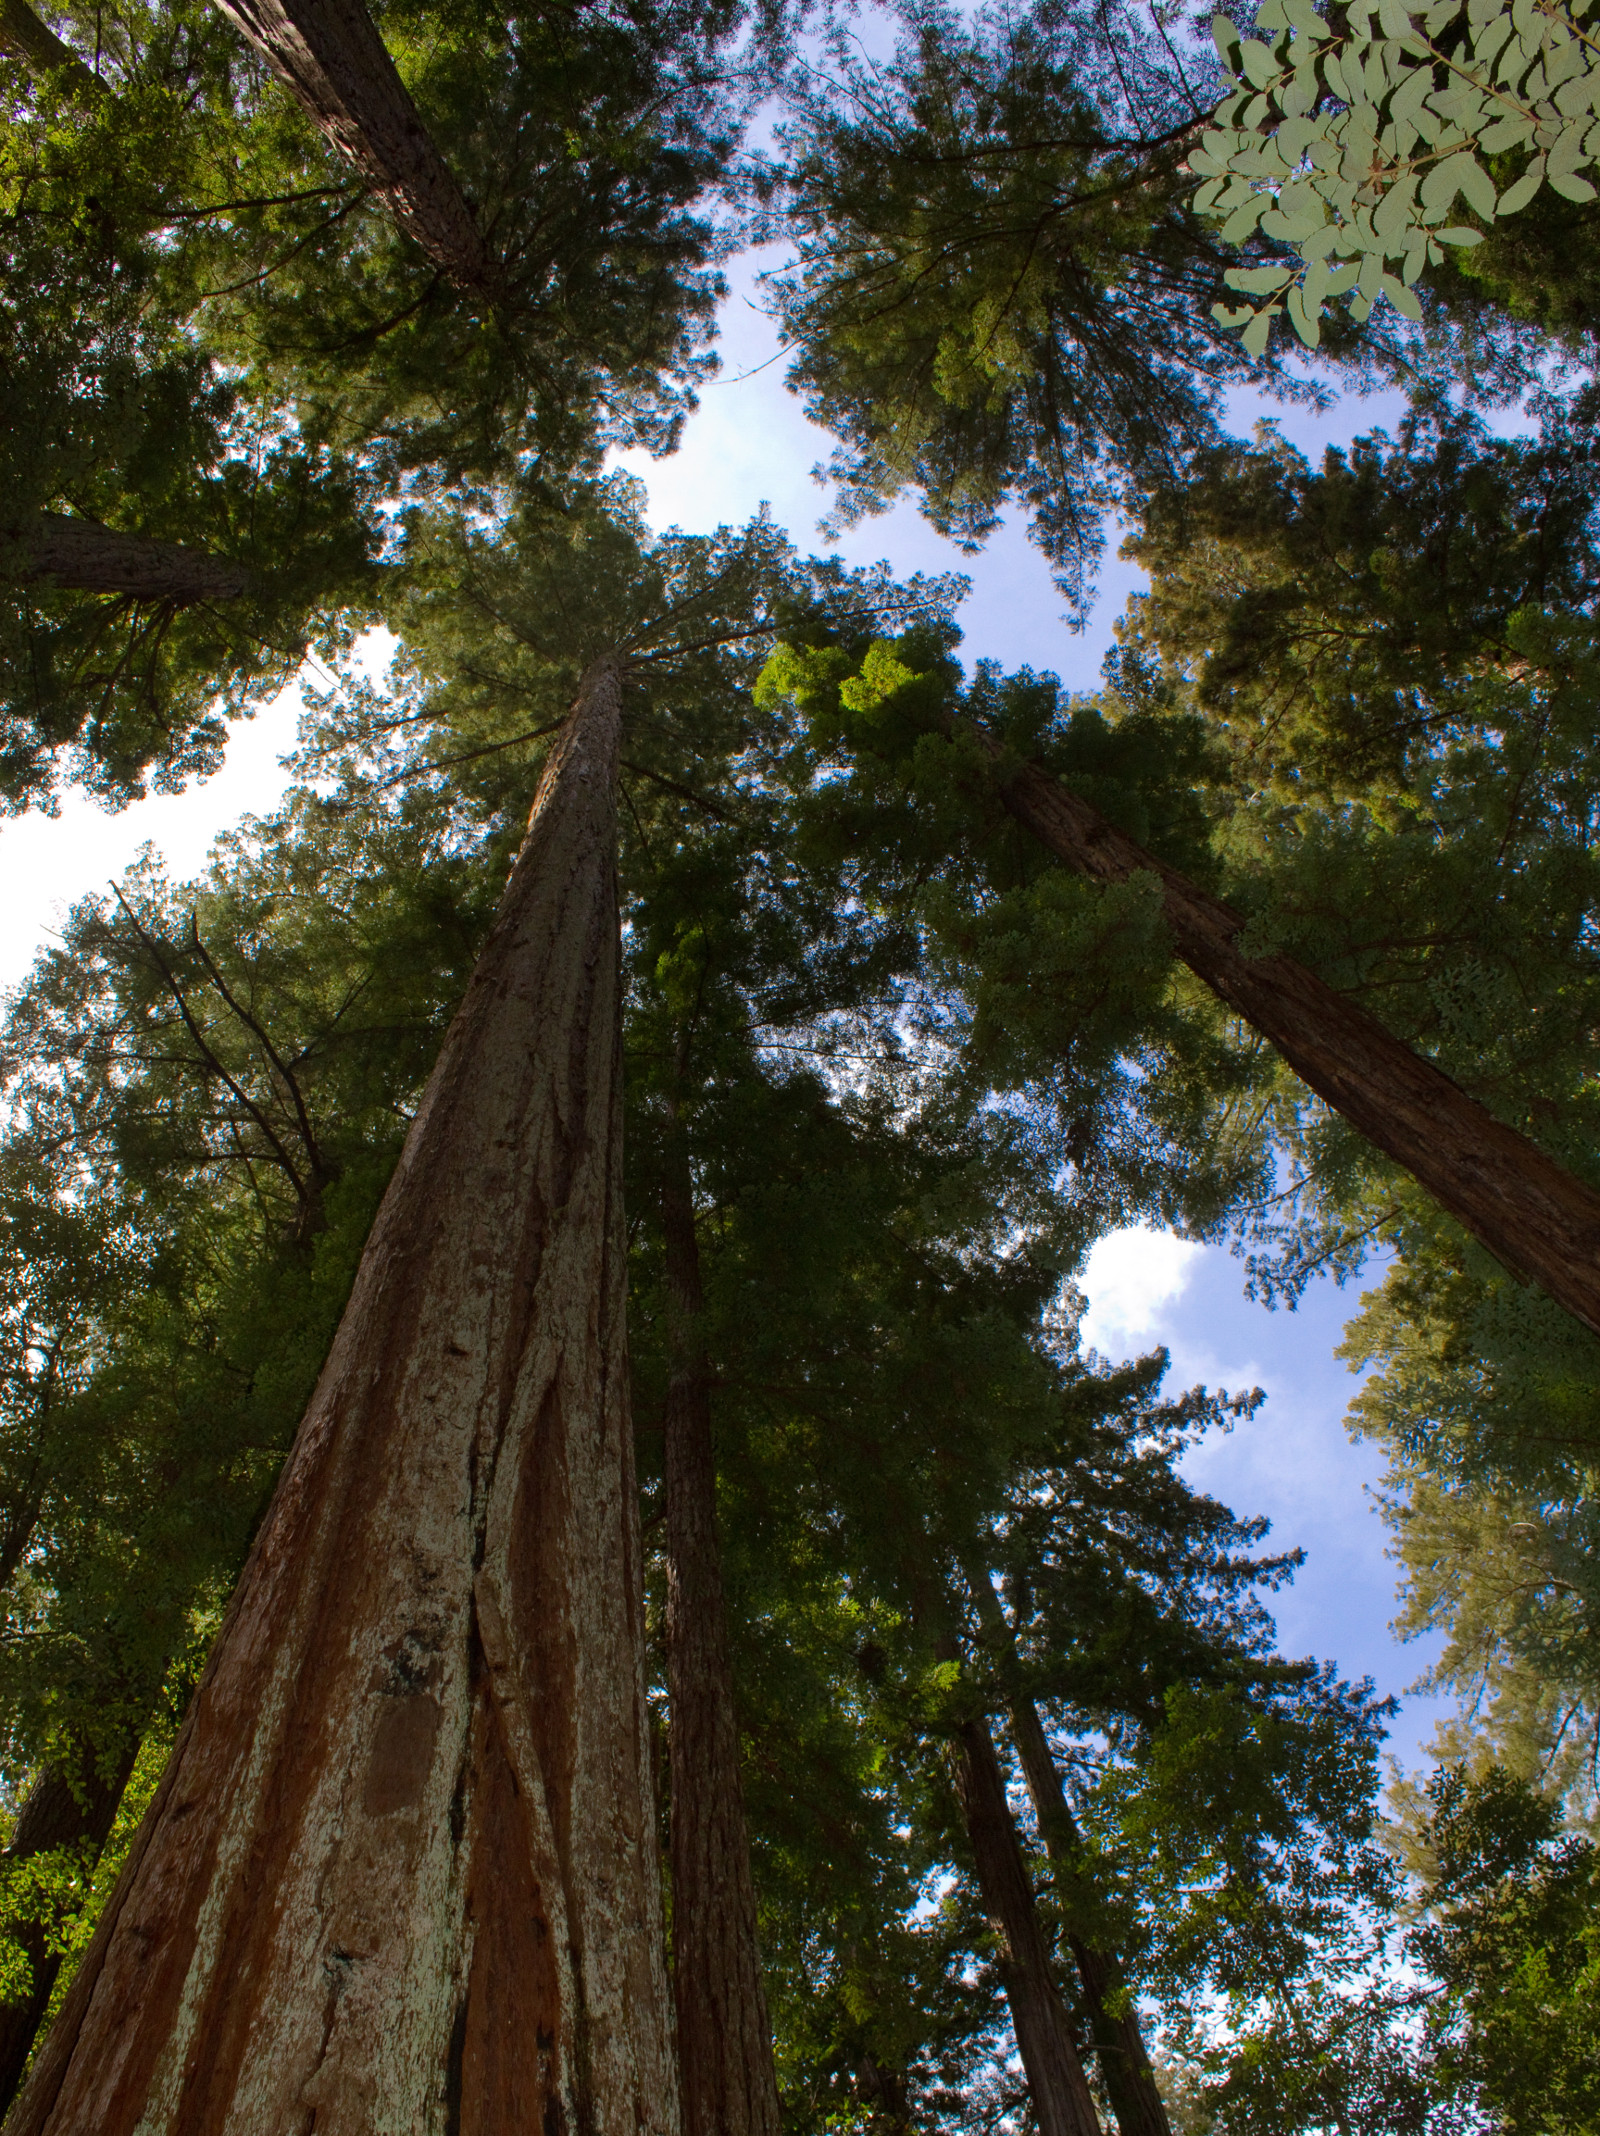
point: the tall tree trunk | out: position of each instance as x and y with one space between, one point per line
730 2085
37 45
69 1805
90 558
1044 2038
337 67
401 1871
1119 2041
1531 1213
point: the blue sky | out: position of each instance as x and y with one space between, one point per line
749 444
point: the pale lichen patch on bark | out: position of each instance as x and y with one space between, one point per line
405 1879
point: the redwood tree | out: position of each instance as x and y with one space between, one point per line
892 707
406 1828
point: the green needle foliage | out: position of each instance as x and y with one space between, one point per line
1397 654
1000 287
1054 995
118 418
213 333
894 1390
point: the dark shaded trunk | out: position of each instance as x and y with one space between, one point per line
333 61
90 558
1044 2037
1531 1213
65 1807
730 2085
401 1871
884 2091
37 45
1119 2042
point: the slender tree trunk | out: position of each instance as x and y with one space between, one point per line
38 46
63 1808
1119 2042
1531 1213
730 2085
337 67
1044 2038
94 559
401 1872
884 2090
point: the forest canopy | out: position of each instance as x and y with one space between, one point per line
566 1560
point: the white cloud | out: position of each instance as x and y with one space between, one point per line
1130 1278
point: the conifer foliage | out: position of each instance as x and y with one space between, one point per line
564 1564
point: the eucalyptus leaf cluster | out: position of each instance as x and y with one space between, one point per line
1348 139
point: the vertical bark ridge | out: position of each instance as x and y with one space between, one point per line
1061 2096
1531 1213
329 55
400 1874
338 69
71 1804
730 2085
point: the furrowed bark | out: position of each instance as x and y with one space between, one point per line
730 2085
38 46
329 55
1530 1212
1119 2042
401 1874
63 1808
1044 2038
90 558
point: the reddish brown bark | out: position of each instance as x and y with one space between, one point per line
333 61
1531 1213
67 1806
401 1872
1060 2094
1119 2042
730 2084
90 558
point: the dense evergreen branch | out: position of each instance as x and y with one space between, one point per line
1529 1211
63 1808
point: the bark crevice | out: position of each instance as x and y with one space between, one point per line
443 1607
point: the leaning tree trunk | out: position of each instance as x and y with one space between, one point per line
38 46
90 558
730 2085
1119 2041
69 1805
1056 2081
1130 2081
333 61
400 1874
1530 1212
